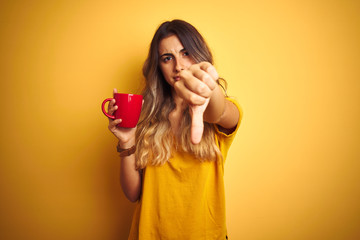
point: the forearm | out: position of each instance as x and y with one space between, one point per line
221 111
130 178
216 106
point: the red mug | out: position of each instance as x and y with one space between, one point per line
129 109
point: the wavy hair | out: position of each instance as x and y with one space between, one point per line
155 139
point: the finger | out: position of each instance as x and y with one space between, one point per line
189 96
113 124
195 84
112 107
204 65
205 78
111 104
115 91
197 125
210 69
206 72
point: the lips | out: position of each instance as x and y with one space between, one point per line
177 78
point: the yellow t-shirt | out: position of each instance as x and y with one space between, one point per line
184 199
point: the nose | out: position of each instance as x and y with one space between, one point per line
179 65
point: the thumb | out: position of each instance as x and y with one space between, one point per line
197 121
197 125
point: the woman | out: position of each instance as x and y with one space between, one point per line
186 127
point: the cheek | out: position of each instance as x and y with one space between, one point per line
165 72
165 69
190 62
162 69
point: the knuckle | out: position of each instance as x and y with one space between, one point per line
194 66
206 77
194 99
206 65
183 73
201 89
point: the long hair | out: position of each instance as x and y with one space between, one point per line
154 138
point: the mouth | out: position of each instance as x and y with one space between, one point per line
177 78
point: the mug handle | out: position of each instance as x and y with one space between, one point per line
103 108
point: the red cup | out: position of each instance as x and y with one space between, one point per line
129 109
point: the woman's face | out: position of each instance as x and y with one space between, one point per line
173 58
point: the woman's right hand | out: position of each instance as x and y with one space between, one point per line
126 136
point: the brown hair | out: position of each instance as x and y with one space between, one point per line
154 136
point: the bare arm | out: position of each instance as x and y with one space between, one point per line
221 111
130 178
206 99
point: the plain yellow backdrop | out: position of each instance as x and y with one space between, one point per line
293 170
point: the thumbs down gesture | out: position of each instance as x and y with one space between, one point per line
196 86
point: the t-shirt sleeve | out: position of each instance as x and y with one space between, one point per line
225 140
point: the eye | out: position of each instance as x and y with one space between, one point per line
167 58
186 53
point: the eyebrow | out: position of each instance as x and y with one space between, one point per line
170 54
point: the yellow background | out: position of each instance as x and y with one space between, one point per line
293 170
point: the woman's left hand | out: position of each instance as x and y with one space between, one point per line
196 86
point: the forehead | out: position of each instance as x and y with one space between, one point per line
170 44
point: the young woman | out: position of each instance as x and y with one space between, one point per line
172 163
